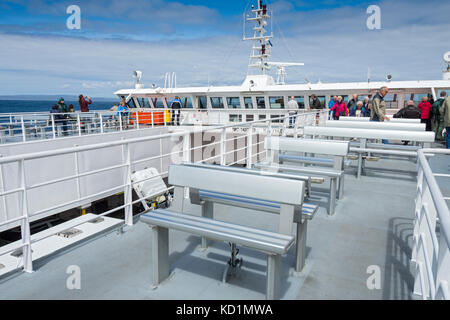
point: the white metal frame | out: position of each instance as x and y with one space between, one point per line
431 252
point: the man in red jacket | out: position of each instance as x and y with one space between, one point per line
425 108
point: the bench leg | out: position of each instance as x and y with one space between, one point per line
160 255
300 253
207 212
273 277
286 219
341 188
332 200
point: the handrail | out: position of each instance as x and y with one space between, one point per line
431 254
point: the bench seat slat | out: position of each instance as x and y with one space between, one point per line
308 210
223 231
303 170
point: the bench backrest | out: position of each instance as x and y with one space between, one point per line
393 120
377 125
326 147
282 190
415 136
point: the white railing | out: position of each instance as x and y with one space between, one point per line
248 133
23 127
431 252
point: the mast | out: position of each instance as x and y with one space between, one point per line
262 47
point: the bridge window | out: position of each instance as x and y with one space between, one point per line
300 102
261 102
158 102
186 102
234 103
202 103
276 102
248 103
217 103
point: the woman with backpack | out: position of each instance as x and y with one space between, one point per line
339 109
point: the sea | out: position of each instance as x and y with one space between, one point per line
17 106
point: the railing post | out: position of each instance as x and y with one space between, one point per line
53 125
128 201
223 147
443 269
153 123
101 123
296 125
25 224
187 147
24 132
79 124
137 120
250 147
120 121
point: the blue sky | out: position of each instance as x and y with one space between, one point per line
201 41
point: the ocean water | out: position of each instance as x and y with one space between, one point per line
14 106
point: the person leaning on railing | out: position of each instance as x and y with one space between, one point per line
293 109
122 111
437 120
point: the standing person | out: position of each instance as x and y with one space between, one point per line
122 112
425 107
62 116
351 105
84 104
332 102
445 113
358 110
339 109
316 102
176 110
292 107
437 120
378 112
366 107
409 112
378 108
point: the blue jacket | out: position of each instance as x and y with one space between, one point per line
176 104
122 110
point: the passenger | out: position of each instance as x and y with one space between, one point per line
426 108
409 112
84 105
378 108
122 111
316 104
293 108
437 120
339 109
62 116
71 108
445 113
176 110
352 103
358 110
332 102
366 106
114 107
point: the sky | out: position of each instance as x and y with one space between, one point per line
202 42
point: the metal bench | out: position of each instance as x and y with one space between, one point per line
289 193
424 138
274 244
280 151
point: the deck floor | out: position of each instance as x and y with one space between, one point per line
373 226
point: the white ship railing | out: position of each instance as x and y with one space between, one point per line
431 252
246 132
23 127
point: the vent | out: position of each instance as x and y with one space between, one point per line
18 253
70 233
98 220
